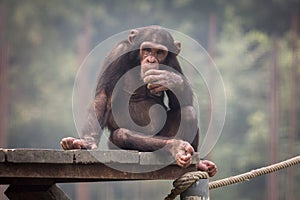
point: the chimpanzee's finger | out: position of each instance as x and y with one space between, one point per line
62 144
152 86
213 172
154 72
186 157
183 160
78 144
153 78
66 143
183 163
202 167
158 89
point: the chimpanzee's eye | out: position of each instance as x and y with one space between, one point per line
160 52
147 49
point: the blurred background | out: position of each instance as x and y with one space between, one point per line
254 43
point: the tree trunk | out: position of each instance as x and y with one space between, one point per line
272 179
290 191
4 90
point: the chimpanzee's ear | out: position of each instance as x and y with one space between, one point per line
132 35
178 47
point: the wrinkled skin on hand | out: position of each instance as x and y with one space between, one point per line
74 143
162 80
207 166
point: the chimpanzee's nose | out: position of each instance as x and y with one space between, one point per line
151 59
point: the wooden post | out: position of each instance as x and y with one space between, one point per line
46 192
198 191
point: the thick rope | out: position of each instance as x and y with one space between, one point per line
186 180
254 173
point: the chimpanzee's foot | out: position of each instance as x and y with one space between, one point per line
182 152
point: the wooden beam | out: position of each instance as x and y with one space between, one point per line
12 173
2 156
58 166
33 173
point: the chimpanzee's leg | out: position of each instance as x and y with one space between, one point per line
126 139
182 124
180 141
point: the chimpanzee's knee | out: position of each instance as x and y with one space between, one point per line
118 137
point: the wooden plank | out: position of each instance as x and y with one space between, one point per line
39 156
2 155
155 158
108 156
51 166
59 173
88 156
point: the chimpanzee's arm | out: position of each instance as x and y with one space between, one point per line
180 97
96 120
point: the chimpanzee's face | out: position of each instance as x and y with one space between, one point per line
151 55
153 52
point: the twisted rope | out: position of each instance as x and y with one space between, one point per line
254 173
186 180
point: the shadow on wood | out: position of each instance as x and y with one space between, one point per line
44 192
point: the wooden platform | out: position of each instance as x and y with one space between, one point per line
37 170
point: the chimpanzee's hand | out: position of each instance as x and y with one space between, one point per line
74 143
162 80
207 166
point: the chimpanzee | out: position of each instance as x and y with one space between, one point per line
153 50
